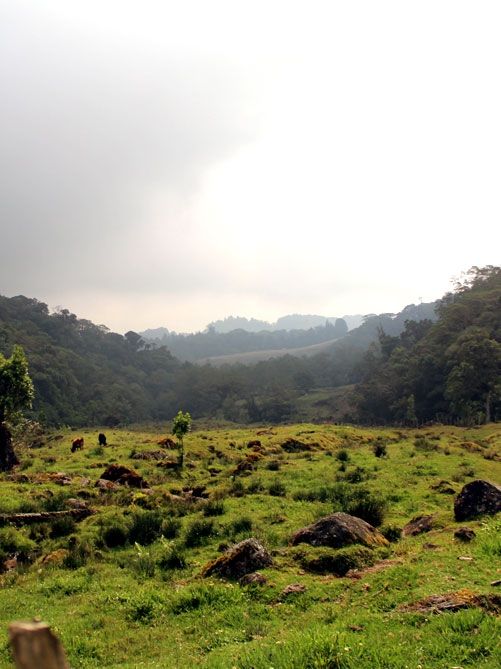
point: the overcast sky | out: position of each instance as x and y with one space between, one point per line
174 162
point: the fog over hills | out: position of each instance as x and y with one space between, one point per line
288 322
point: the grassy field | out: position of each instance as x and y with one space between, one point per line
123 588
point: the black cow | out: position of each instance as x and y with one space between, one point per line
102 439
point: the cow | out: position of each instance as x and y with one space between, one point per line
101 439
77 444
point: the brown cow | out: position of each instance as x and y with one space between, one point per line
77 444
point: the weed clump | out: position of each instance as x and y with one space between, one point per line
277 489
146 527
198 531
214 507
329 561
173 557
13 541
391 532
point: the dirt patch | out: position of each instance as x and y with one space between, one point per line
455 601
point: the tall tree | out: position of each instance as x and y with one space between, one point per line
16 394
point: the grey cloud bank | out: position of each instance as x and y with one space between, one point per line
168 165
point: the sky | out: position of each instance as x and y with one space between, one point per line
167 163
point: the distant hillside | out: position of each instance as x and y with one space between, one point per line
288 322
201 346
359 338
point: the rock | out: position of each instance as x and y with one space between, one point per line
149 455
75 503
418 525
295 446
124 476
496 583
168 464
454 601
167 443
443 487
477 498
243 558
55 558
464 534
254 578
254 443
292 589
338 530
103 484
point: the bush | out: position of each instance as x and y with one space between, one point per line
239 525
173 557
255 486
273 466
146 527
391 532
356 475
79 552
14 541
339 562
379 449
368 507
277 489
170 528
214 507
425 445
342 455
198 531
62 527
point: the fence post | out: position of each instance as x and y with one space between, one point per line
34 646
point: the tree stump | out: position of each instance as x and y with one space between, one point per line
34 646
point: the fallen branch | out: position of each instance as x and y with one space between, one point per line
42 517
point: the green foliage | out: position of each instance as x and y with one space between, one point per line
198 532
181 425
13 541
329 561
16 386
146 527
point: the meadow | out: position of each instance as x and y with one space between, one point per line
124 587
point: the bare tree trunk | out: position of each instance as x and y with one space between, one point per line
488 408
34 646
7 456
42 516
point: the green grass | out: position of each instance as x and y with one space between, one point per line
124 588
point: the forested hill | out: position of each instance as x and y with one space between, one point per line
212 343
449 371
414 371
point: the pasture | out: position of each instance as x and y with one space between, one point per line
123 587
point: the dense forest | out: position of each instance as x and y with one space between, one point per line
407 368
210 343
449 371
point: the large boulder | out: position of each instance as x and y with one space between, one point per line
243 558
418 525
339 530
477 498
124 476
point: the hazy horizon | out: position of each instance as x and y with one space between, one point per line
169 164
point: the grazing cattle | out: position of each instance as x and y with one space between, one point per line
77 444
102 439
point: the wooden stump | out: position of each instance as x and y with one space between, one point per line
34 646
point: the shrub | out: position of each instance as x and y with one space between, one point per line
425 445
379 449
79 552
170 528
356 475
239 525
14 541
146 527
342 455
339 562
368 507
62 527
198 531
214 507
143 563
173 557
273 466
255 486
391 532
277 489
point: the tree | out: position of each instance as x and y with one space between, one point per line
181 425
16 394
